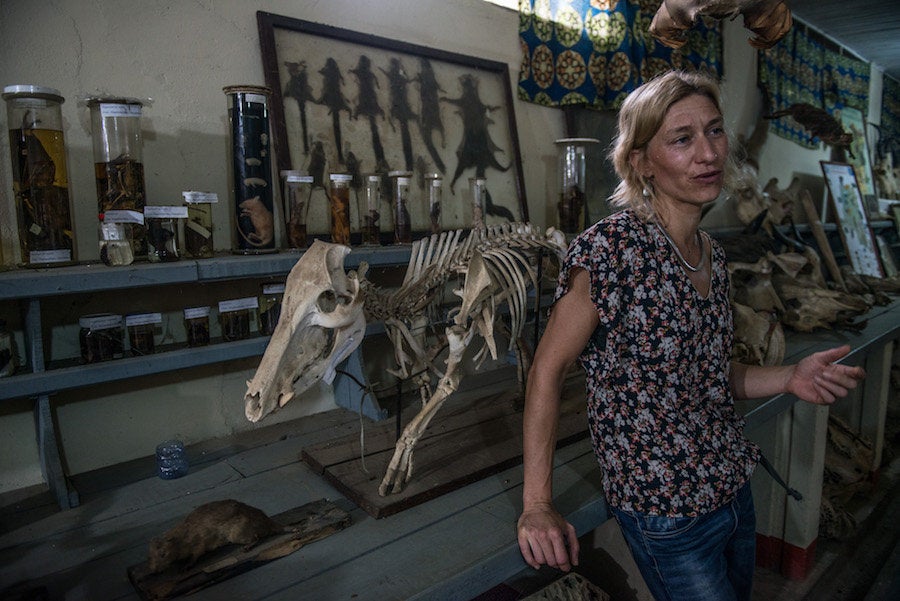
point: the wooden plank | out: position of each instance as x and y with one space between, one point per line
470 443
309 523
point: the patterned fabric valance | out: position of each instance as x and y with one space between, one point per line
806 68
595 52
890 118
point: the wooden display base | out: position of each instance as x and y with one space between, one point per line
465 442
311 522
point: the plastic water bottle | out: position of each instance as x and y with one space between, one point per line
171 460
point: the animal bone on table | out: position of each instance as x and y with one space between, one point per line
324 311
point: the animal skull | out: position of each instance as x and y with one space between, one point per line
322 322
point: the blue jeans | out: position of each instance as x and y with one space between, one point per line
706 558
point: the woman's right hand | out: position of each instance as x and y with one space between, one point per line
545 537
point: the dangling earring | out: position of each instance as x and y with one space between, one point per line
646 193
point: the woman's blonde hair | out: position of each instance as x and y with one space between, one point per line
640 118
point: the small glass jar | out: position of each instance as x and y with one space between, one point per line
162 224
9 358
198 226
571 172
234 317
171 460
119 159
270 307
100 337
478 198
116 244
400 183
196 325
254 210
339 201
369 216
297 192
141 329
39 176
435 184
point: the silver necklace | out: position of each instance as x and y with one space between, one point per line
684 262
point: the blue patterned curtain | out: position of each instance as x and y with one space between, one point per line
806 68
890 117
594 52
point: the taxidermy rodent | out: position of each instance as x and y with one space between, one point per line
207 528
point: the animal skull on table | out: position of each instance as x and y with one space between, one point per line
321 324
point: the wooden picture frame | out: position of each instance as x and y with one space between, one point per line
850 215
332 91
854 122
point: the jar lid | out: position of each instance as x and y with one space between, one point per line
578 141
93 101
340 177
244 89
100 321
31 91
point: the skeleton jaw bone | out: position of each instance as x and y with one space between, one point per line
322 322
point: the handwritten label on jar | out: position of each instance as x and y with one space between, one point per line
238 304
123 216
120 110
195 312
165 212
143 319
193 196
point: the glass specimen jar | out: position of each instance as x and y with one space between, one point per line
400 182
40 176
116 245
9 358
369 217
435 184
198 227
477 198
254 213
339 202
162 223
571 174
196 325
100 337
234 317
270 307
119 160
141 329
296 191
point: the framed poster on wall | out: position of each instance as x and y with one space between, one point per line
351 102
855 123
850 214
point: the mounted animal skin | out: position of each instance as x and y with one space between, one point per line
769 20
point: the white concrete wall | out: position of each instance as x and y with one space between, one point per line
180 54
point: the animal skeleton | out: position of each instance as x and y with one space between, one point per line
324 312
769 20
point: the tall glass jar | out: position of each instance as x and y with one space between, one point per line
40 176
435 184
400 185
119 160
477 198
254 211
571 173
339 201
297 192
198 227
369 216
100 337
